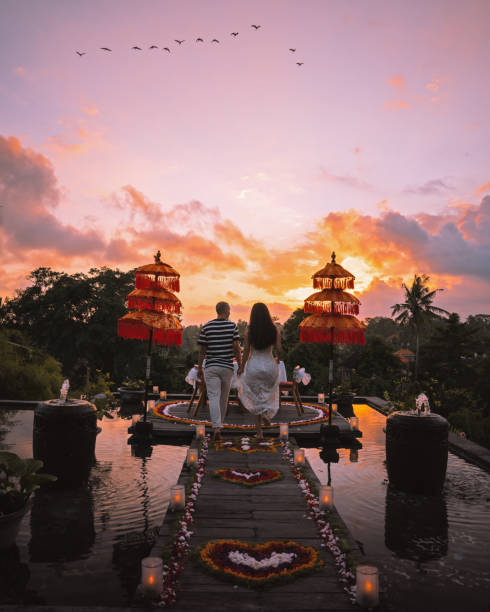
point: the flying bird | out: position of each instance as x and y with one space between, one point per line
153 47
215 40
179 41
299 63
199 40
136 48
234 34
293 50
81 53
106 49
166 49
255 26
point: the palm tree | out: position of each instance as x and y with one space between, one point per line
417 309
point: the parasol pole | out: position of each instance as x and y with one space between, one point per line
330 378
148 367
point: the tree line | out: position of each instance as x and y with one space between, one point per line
65 325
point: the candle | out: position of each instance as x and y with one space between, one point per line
152 576
177 497
151 404
354 423
163 395
135 419
283 431
321 398
155 388
354 455
334 408
326 497
200 431
191 458
299 456
367 586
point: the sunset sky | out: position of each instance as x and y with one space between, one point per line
244 168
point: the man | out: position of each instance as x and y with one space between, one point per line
218 342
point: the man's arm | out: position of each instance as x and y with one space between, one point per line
202 355
238 354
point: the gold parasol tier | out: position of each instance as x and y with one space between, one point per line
157 275
332 300
167 329
332 329
333 275
154 299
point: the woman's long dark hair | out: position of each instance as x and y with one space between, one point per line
262 332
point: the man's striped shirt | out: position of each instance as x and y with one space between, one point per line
217 337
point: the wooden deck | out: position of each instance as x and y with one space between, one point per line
274 511
167 431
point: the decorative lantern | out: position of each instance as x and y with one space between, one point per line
367 586
177 497
354 455
321 398
326 497
299 456
152 576
283 431
151 404
354 423
163 395
191 458
134 419
155 389
200 431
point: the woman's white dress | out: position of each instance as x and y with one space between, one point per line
258 386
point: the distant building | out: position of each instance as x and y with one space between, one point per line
405 355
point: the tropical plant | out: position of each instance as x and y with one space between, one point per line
417 309
18 480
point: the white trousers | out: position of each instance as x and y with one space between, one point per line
218 383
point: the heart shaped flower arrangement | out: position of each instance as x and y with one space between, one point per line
258 564
248 478
247 445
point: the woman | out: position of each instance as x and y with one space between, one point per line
258 387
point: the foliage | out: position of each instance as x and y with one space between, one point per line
18 480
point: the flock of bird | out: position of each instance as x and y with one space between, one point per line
180 42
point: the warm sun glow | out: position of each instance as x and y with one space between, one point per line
363 273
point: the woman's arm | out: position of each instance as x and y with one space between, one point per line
246 353
278 344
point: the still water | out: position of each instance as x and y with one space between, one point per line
432 553
83 546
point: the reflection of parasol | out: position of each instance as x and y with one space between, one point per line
154 302
333 321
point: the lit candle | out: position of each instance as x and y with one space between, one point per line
152 576
200 431
299 456
354 455
334 408
367 586
163 395
354 423
135 419
191 458
283 431
155 388
326 497
321 398
151 404
177 497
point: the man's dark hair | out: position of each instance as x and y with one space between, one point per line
262 332
222 307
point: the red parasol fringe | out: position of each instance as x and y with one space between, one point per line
139 331
339 307
141 303
320 282
340 336
147 281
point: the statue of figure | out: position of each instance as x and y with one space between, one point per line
422 402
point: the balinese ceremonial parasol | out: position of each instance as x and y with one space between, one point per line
156 306
333 309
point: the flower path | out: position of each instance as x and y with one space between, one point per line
274 511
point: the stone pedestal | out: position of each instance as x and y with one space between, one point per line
416 452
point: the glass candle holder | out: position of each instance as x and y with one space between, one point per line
321 398
367 586
151 404
152 576
163 395
200 431
155 388
134 419
354 455
299 456
192 455
283 431
325 497
177 497
354 423
334 408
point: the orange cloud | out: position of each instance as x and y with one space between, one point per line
482 189
397 104
79 137
397 81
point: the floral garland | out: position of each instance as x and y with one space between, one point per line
248 478
329 539
247 445
257 565
181 543
162 410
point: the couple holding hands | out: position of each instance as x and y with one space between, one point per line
258 369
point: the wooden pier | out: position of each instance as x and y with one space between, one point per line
269 512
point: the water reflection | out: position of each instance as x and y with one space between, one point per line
14 576
416 527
